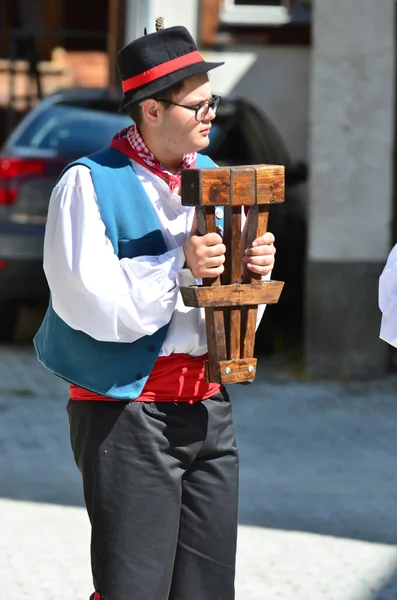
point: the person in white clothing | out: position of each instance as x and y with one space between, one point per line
156 449
388 299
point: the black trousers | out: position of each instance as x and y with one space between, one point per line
161 489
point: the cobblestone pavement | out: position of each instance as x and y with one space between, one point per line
318 517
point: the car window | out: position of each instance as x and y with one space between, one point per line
69 130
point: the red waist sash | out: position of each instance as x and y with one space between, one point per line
174 378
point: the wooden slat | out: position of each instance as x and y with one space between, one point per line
235 371
201 220
231 301
215 322
263 292
263 219
228 241
243 186
216 187
226 276
191 187
257 224
242 190
211 186
235 248
206 187
206 223
270 184
243 193
234 339
235 275
248 330
258 217
216 338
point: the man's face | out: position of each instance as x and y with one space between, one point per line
178 128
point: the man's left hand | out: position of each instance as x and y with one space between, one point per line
260 257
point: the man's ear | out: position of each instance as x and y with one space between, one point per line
151 111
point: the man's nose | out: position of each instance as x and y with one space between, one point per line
211 114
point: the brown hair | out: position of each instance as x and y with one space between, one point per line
134 110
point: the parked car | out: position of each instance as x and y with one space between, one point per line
75 122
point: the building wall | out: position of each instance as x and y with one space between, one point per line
278 83
175 12
351 164
143 13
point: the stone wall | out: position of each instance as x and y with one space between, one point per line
351 167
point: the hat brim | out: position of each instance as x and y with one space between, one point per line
157 86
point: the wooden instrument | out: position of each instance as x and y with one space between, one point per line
231 301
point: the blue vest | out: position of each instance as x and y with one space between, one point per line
118 370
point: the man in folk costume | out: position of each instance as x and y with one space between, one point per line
153 440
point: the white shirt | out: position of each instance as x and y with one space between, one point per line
388 299
112 299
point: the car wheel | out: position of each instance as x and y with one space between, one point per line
8 319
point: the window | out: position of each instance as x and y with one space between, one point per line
256 3
255 12
69 130
265 12
301 11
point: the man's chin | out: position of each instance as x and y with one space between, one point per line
203 143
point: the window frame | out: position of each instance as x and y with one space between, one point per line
277 15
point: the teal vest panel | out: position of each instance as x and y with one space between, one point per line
117 370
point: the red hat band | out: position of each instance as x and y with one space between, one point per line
160 70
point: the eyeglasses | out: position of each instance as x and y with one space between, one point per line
201 110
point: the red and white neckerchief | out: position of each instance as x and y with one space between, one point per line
130 141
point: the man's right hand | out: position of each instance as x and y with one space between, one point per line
205 255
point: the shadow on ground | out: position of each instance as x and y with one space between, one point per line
319 457
387 592
315 456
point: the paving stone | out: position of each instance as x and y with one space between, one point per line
318 502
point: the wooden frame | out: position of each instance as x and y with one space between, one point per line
231 301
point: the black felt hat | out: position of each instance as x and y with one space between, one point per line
154 62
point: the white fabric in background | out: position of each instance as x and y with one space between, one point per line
388 299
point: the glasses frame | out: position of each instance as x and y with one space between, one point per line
211 104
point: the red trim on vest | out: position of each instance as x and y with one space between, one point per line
174 378
160 70
97 596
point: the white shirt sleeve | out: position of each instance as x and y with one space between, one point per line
92 290
388 299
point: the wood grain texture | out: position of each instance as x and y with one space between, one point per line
215 321
211 187
233 371
243 186
231 301
249 315
243 191
216 337
205 187
262 292
234 333
257 221
270 186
